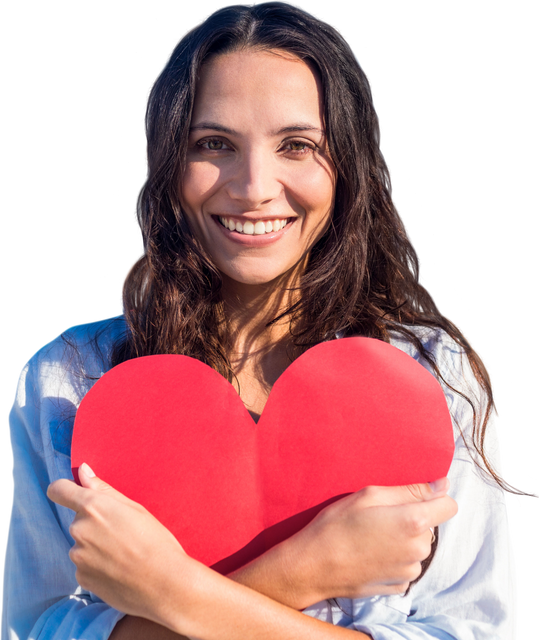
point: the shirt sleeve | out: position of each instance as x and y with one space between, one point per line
42 599
466 592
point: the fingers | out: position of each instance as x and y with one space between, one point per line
429 490
421 518
66 493
375 496
408 527
89 480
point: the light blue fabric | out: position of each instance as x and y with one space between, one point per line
464 595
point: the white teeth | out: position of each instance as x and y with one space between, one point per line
253 228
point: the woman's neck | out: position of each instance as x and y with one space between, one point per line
251 308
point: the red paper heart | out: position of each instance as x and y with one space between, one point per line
171 433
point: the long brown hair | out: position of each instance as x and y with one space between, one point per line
362 275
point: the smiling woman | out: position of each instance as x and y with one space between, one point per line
257 190
268 228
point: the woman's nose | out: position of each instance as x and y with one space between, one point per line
255 181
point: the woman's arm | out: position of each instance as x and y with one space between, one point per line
217 608
280 574
267 574
133 563
286 571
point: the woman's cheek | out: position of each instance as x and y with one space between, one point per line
200 182
314 180
313 187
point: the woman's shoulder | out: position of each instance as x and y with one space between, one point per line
435 340
56 379
450 357
438 344
462 389
92 341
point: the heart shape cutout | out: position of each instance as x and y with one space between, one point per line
171 433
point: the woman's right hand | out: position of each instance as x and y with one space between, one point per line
369 543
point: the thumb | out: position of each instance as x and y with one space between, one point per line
87 476
396 495
89 480
440 487
428 490
405 494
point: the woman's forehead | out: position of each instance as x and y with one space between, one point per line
249 85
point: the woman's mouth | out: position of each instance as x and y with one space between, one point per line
258 234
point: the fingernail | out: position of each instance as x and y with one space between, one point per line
439 485
87 470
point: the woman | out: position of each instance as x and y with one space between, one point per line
268 228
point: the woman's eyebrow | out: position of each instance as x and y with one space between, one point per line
214 126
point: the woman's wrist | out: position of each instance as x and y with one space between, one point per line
285 573
204 604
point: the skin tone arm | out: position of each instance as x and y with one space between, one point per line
281 574
238 612
132 562
271 574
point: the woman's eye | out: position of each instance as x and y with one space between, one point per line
203 144
300 143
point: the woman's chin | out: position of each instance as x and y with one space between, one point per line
272 275
253 279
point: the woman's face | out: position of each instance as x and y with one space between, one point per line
258 186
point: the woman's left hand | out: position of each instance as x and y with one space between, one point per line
121 552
